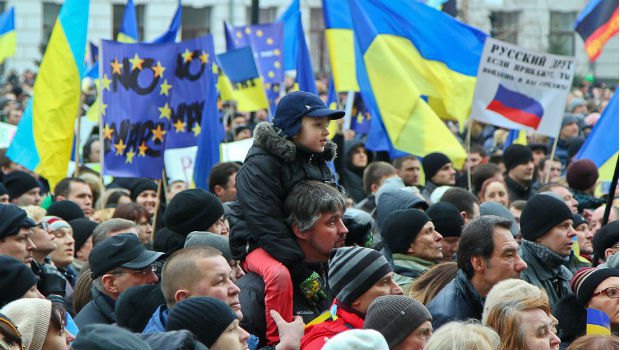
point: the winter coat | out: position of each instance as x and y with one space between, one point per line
98 310
157 322
173 340
351 176
516 191
407 268
457 301
316 335
545 269
273 166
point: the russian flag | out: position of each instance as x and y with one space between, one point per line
517 107
596 24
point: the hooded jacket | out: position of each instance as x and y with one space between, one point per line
352 176
457 301
273 166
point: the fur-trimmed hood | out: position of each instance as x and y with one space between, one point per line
266 137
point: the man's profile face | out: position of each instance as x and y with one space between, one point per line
81 195
327 233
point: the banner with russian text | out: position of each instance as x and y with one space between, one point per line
522 89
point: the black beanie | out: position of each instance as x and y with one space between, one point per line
578 220
446 218
16 278
19 182
605 238
193 210
3 190
136 305
516 155
540 214
82 229
143 184
433 162
66 210
206 317
401 228
12 218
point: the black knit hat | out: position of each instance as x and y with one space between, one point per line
66 210
540 214
353 270
12 218
107 337
206 317
578 220
401 228
193 210
516 155
395 317
136 305
446 218
433 162
141 185
586 280
582 174
19 182
15 279
82 229
606 237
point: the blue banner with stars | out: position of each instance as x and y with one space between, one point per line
192 79
267 44
136 85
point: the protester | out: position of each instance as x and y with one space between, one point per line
222 181
605 243
358 339
17 281
599 342
467 204
408 169
16 233
438 171
138 214
519 172
582 176
356 159
547 171
144 193
111 228
83 236
494 190
375 174
66 210
10 338
463 336
23 188
430 283
562 193
449 223
106 337
512 290
77 191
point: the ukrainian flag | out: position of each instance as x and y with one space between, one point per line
44 135
129 27
407 50
7 34
601 146
598 322
340 44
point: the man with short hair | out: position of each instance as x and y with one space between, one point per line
23 188
548 166
116 264
375 174
596 221
438 171
563 193
113 227
75 190
466 203
222 181
408 168
16 233
357 276
519 172
546 226
487 254
583 244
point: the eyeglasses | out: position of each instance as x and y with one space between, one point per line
144 271
611 292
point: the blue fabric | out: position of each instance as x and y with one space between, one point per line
157 322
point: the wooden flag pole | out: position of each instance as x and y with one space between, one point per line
156 209
347 109
470 124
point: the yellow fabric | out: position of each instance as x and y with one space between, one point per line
596 329
398 76
93 111
55 107
7 45
342 58
250 97
606 173
122 38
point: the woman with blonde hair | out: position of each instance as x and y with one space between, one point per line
524 325
494 190
463 336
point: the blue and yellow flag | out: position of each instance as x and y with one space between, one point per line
170 35
403 44
129 27
598 322
247 85
290 21
136 87
7 34
305 73
516 136
601 146
340 44
193 77
44 135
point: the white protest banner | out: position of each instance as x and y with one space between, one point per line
235 151
7 131
522 89
180 163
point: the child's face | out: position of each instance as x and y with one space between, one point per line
313 133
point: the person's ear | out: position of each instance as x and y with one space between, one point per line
477 263
218 190
109 283
609 252
181 295
464 215
297 232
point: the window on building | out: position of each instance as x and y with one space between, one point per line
505 26
50 13
265 14
2 6
117 14
561 33
318 44
196 22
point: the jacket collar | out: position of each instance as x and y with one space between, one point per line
104 304
542 260
268 138
471 293
350 316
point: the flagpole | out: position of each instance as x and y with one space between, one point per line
100 95
470 124
156 210
555 146
610 197
76 173
347 110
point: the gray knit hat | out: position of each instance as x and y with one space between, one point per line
32 318
208 239
353 270
395 316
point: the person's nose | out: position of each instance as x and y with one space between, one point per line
520 264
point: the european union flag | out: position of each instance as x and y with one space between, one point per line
248 88
305 72
360 120
136 86
267 44
192 78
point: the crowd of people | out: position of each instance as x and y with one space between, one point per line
316 242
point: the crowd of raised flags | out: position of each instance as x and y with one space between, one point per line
406 82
